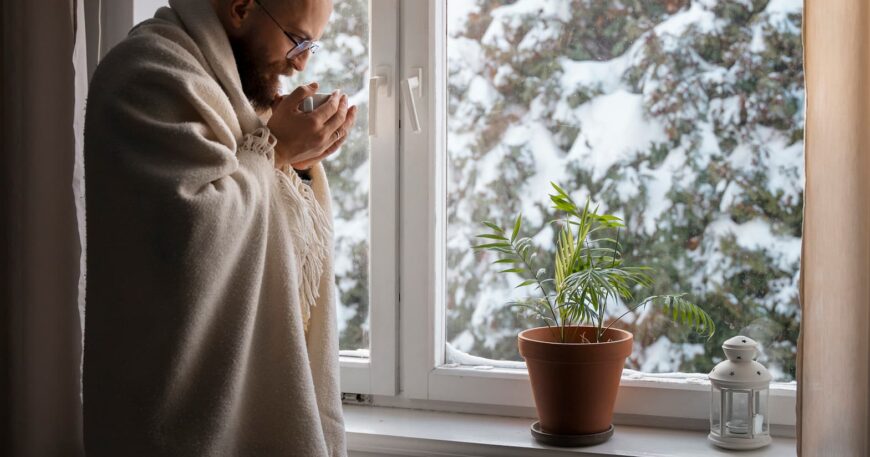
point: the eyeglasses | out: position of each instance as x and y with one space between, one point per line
300 45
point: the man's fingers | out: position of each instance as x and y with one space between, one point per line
306 164
328 108
334 147
328 152
277 101
340 139
342 131
337 120
301 92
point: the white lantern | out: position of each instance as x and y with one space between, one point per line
739 411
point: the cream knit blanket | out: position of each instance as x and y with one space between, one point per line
210 325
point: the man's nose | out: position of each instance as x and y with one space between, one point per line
299 61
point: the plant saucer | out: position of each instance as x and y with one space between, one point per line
551 439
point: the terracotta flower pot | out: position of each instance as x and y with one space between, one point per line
574 383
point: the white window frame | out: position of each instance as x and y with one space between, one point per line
376 374
645 400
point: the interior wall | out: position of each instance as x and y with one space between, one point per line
144 9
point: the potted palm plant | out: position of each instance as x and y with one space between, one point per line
575 361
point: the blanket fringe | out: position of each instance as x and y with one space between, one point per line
310 226
260 141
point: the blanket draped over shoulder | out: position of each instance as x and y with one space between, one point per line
210 325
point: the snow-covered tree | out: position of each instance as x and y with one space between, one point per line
683 117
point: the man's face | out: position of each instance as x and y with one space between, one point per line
260 46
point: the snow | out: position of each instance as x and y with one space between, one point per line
540 34
757 44
660 356
456 357
784 7
355 353
549 163
351 43
480 91
541 9
495 36
697 15
501 75
785 165
356 229
757 235
613 126
507 18
658 182
465 56
605 75
464 341
628 187
457 12
729 196
779 10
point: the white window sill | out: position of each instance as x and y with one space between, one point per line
379 431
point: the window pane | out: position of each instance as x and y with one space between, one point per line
342 63
682 117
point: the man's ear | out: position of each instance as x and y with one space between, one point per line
238 12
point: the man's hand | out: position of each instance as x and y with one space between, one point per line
307 138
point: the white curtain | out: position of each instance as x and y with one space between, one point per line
834 346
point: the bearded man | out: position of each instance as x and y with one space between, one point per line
210 325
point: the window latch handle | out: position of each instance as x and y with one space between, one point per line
375 82
413 87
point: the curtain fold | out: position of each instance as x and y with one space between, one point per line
834 345
42 329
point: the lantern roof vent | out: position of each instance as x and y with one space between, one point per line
740 370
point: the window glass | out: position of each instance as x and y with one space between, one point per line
685 118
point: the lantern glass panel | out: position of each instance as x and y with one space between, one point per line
737 417
716 411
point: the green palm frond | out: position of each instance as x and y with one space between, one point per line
534 308
589 270
685 313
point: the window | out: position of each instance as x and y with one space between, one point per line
684 118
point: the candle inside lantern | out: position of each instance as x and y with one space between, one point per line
757 422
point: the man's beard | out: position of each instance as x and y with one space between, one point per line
259 78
